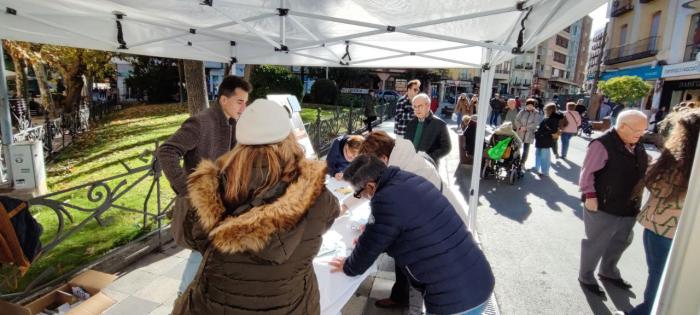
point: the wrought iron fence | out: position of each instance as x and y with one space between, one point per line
70 124
344 121
75 208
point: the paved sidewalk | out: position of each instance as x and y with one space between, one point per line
149 287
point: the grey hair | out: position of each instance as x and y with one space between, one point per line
625 116
364 168
421 96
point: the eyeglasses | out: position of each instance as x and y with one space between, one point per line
358 194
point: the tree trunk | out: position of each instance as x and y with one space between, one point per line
180 82
20 77
248 72
74 86
197 99
42 81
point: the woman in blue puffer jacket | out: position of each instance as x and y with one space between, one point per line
417 226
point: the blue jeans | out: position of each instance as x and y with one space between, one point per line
474 311
565 140
656 248
542 160
493 120
190 270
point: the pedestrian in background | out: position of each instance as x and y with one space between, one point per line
462 108
571 129
511 112
544 139
497 106
614 167
526 123
667 182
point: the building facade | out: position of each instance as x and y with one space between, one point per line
595 59
657 40
560 62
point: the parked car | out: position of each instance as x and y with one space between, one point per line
387 96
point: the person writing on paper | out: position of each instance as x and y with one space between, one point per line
401 153
417 226
342 152
262 209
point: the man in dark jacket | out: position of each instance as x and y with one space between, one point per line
207 135
417 226
428 133
610 179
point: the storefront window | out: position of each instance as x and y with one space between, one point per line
693 44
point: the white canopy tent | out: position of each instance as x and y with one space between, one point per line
338 33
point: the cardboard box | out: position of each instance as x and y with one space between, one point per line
92 281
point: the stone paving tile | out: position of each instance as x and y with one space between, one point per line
133 281
162 310
356 306
162 290
116 295
159 263
132 306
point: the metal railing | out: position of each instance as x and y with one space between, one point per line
344 121
640 49
620 7
103 200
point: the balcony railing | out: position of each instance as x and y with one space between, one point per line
641 49
620 7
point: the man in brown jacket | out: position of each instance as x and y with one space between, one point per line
207 135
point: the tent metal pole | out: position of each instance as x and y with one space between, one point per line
329 41
544 23
283 26
67 29
232 23
151 41
420 54
338 20
487 74
380 58
205 50
250 28
678 289
460 17
311 34
312 56
5 121
452 39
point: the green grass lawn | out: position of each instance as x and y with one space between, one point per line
96 155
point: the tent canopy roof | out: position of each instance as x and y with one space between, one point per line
355 33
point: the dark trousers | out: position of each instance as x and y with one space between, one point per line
399 292
523 158
656 248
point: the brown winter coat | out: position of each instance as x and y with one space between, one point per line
261 261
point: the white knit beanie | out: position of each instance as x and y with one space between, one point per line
263 122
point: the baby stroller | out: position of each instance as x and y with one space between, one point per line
586 127
507 167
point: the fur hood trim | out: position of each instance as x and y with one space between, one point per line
251 231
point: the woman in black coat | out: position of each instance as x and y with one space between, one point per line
544 139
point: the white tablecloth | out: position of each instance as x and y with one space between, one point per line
336 289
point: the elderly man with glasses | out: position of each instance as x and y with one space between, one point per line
428 133
611 175
404 110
